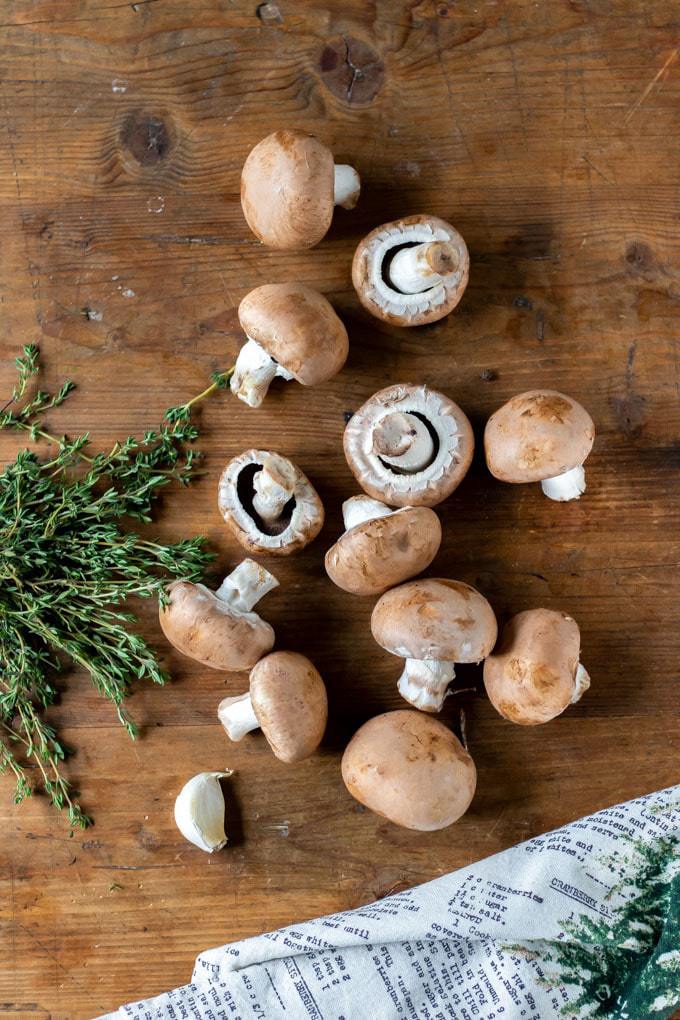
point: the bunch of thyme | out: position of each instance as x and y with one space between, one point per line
67 568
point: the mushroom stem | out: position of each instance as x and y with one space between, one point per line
346 185
359 509
246 585
581 683
415 269
404 442
570 485
274 485
253 372
237 716
424 683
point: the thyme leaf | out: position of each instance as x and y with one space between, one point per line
68 567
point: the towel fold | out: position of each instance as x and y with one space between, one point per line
582 921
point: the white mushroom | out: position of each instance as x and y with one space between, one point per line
290 185
541 436
409 446
432 624
381 547
412 271
219 628
292 332
287 701
268 503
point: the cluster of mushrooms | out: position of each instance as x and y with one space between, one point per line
409 447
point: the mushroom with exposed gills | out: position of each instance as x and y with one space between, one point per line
287 701
411 769
292 332
219 628
433 624
269 505
535 672
290 185
409 445
382 547
541 436
412 271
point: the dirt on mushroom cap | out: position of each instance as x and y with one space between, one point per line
530 677
537 435
287 190
290 702
377 554
411 769
298 327
435 618
205 628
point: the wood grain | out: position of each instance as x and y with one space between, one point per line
548 134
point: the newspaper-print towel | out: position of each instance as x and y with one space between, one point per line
583 921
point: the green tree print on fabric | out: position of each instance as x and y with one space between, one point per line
628 966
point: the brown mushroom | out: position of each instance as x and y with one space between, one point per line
382 547
535 673
409 445
268 503
433 624
219 628
541 436
412 271
411 769
287 701
292 332
289 186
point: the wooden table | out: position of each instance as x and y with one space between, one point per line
548 134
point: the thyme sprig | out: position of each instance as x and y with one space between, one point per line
67 568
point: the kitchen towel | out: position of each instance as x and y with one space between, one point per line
581 922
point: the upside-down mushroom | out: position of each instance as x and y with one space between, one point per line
382 547
409 445
412 271
287 701
535 672
219 628
411 769
292 332
290 185
269 505
541 436
433 624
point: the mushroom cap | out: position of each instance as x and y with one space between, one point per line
235 501
287 190
536 435
211 631
530 677
455 443
411 769
377 554
385 302
435 619
289 700
297 327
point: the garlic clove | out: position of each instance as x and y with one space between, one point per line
199 811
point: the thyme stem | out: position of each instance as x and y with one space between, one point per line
68 567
